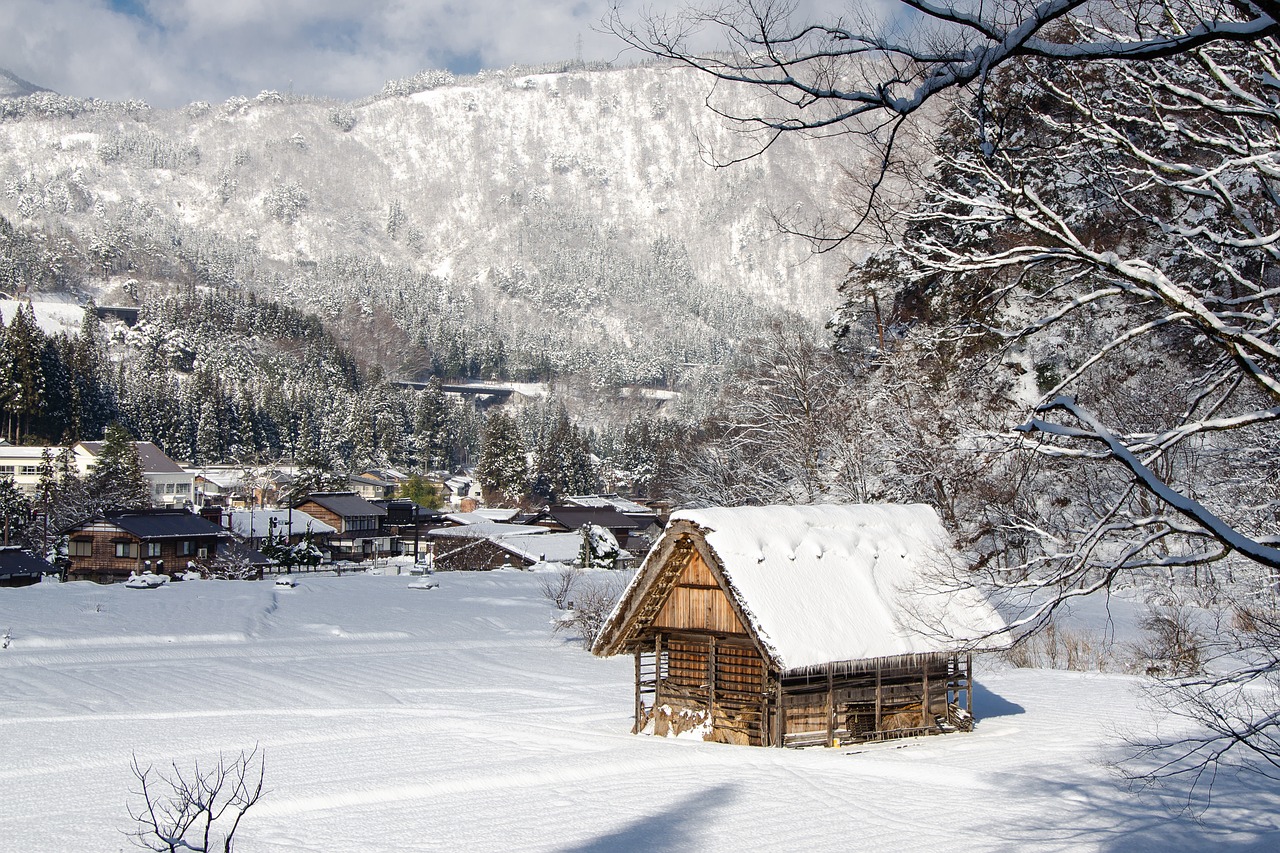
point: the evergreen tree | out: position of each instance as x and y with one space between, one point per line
116 479
562 460
15 510
25 348
502 469
419 490
430 426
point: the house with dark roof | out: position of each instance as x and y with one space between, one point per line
20 568
635 533
169 484
111 546
358 524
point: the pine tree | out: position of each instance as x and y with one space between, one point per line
430 426
116 480
15 509
25 346
502 468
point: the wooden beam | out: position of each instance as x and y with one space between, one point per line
657 671
639 701
711 677
780 716
924 697
831 707
879 698
968 681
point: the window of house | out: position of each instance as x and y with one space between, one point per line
153 549
6 469
126 549
186 547
159 489
184 488
168 488
29 470
80 548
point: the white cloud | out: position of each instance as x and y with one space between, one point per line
188 50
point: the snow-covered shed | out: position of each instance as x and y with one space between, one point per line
793 625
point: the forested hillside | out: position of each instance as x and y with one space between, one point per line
514 224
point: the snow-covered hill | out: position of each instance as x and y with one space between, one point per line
572 216
13 86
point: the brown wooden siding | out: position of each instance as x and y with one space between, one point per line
318 512
103 566
697 603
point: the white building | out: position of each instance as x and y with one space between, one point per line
23 464
170 485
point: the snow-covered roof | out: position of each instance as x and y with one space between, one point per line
818 584
482 516
544 547
258 522
616 501
488 530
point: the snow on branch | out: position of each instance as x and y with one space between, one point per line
1193 509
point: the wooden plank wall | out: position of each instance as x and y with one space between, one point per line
697 603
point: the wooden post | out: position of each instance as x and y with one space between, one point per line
639 701
657 671
831 706
924 696
711 678
968 682
779 715
879 698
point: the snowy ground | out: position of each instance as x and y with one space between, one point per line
452 719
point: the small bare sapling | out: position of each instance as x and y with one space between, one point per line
198 810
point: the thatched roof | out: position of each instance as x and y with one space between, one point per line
821 584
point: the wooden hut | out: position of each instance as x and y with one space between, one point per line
792 626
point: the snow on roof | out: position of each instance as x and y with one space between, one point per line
616 501
819 584
482 516
14 451
258 522
543 547
488 530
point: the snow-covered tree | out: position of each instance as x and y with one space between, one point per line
116 480
502 468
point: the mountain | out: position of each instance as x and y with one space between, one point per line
13 86
508 224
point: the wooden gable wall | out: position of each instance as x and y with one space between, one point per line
697 603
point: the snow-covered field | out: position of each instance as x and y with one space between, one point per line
452 719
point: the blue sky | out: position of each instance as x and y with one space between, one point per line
172 52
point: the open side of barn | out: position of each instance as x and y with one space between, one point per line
704 661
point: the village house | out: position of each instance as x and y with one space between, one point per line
792 626
110 547
22 464
487 545
358 524
20 568
409 522
257 527
170 485
625 529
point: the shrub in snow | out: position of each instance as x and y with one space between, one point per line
592 602
198 810
557 587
